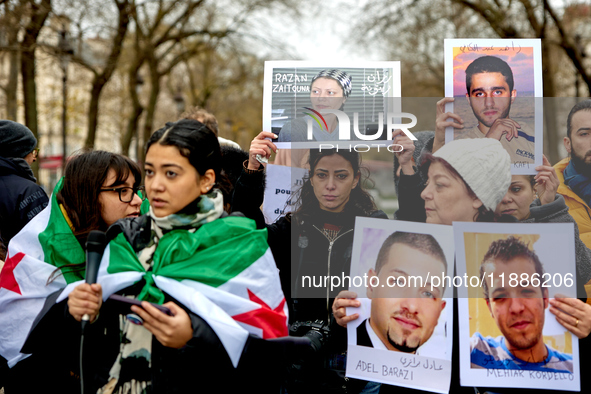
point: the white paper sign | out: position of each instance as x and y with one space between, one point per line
310 103
282 182
400 369
415 319
515 322
503 100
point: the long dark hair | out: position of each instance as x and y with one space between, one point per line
360 202
484 214
197 143
84 176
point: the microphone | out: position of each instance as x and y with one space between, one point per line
95 247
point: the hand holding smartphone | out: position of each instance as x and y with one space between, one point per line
123 305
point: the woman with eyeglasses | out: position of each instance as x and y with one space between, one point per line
98 188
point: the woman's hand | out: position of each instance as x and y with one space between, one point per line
442 121
343 300
260 146
573 314
171 331
405 158
546 182
85 299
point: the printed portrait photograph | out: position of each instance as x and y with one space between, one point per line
309 103
494 84
505 322
405 315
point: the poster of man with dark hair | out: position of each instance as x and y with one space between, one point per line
494 84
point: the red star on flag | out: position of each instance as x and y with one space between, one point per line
273 322
7 279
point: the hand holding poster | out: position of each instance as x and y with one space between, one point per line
508 336
308 103
404 333
494 83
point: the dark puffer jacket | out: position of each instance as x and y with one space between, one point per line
20 198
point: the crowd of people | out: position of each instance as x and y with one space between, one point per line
196 291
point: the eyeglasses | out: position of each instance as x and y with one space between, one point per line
36 153
127 193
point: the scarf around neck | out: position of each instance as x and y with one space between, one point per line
578 183
205 209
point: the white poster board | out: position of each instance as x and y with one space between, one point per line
513 322
419 327
504 99
352 103
282 183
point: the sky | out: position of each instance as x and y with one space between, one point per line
520 60
322 34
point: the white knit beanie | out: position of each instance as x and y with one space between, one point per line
483 164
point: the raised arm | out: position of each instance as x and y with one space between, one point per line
250 186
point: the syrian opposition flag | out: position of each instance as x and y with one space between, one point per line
224 272
29 274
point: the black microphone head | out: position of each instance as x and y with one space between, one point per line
95 247
96 241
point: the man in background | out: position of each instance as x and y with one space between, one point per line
207 118
20 196
574 172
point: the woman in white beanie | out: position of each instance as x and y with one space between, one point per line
467 180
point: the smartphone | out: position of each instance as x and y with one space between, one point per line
123 305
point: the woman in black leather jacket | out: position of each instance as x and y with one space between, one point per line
310 244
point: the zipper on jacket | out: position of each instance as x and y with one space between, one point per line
327 292
328 265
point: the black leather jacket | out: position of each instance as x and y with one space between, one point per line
303 250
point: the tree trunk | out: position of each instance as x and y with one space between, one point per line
12 86
97 88
13 71
28 46
192 84
137 109
29 43
151 109
551 132
30 95
136 112
29 89
101 79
